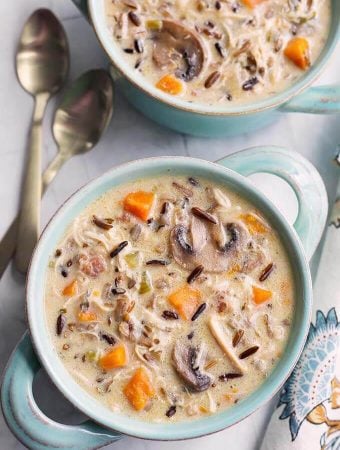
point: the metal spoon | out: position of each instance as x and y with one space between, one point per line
81 118
42 63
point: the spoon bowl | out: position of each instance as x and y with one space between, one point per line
42 59
84 112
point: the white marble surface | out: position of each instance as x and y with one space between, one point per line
130 136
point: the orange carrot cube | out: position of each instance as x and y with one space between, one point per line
71 289
139 204
297 50
170 85
261 295
117 357
252 3
87 316
254 224
139 389
186 301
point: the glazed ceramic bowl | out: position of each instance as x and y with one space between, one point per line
216 120
20 410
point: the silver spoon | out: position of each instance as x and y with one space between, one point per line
42 63
82 116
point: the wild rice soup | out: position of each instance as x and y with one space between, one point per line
223 51
169 298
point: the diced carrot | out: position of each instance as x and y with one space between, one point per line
297 50
117 357
170 85
252 3
139 204
87 316
139 389
71 289
254 224
261 295
186 301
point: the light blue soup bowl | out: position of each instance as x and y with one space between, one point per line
23 415
216 120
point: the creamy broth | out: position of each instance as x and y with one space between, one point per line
196 297
223 51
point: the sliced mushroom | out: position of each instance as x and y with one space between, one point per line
185 358
175 46
251 260
212 246
218 333
228 236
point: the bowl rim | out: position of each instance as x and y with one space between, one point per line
96 13
87 403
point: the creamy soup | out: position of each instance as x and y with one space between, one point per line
169 298
223 51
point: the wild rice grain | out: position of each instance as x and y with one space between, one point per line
193 181
139 46
169 315
171 411
158 262
135 19
229 376
237 337
61 322
266 272
212 78
219 49
250 351
249 84
118 249
199 311
195 274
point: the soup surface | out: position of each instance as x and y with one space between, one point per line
169 298
223 51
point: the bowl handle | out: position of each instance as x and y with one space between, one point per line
28 423
303 178
315 100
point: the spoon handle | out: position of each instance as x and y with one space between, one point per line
9 240
29 216
52 169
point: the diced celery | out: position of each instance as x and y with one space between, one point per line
132 260
91 355
145 285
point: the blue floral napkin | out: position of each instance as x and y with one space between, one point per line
307 416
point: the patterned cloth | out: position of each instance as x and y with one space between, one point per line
307 416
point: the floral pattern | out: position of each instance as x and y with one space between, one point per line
311 382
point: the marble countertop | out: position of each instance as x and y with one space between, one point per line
130 136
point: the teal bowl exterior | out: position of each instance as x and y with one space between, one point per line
216 120
20 410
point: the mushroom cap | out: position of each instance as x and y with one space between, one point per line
176 45
184 358
207 244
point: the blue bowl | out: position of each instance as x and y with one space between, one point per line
22 414
216 120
